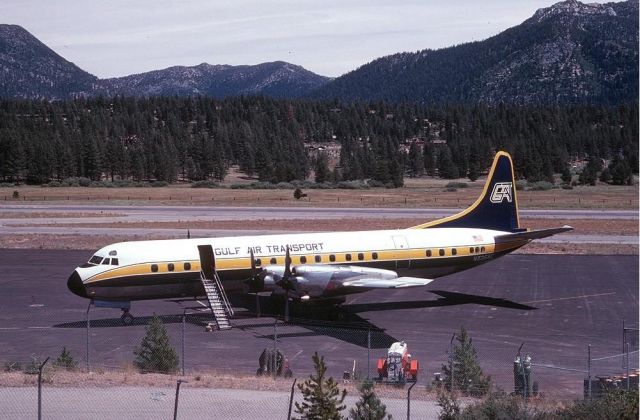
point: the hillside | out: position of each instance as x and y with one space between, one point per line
568 53
31 70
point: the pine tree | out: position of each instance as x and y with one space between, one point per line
321 168
467 373
322 397
369 407
416 160
155 353
65 360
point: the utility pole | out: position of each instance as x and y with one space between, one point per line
40 388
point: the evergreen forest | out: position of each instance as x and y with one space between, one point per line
175 139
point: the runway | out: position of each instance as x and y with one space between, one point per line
556 304
164 213
93 218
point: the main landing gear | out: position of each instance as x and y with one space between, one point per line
126 317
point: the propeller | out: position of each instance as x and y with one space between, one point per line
287 282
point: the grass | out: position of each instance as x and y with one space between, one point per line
427 195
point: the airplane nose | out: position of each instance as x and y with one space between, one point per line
76 286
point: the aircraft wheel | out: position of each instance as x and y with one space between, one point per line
126 318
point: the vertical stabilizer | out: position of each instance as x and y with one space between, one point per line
497 206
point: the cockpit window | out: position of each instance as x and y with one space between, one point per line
114 261
95 260
106 261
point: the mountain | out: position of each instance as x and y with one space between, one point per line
277 79
565 54
31 70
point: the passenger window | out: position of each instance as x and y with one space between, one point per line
106 261
360 257
154 268
482 249
471 250
454 251
303 260
428 253
477 249
272 261
171 267
187 266
374 255
114 261
258 262
441 252
347 257
318 258
332 258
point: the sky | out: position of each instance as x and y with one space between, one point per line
111 38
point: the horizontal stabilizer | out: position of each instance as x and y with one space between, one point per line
532 234
387 283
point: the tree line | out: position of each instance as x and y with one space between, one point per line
192 139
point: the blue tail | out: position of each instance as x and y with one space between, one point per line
497 206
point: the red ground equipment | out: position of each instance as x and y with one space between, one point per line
398 367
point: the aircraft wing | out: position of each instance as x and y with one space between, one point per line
532 234
399 282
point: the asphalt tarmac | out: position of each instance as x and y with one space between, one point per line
555 304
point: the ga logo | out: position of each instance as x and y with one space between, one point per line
502 191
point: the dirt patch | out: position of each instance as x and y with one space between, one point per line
582 226
53 215
416 195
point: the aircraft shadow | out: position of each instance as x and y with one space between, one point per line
447 299
340 322
194 319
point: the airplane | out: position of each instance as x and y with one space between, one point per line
312 267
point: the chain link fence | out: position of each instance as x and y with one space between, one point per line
223 370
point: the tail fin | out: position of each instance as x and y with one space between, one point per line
497 206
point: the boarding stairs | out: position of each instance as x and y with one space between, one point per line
216 296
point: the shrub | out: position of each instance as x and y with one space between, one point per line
65 360
159 183
566 187
540 186
205 184
457 185
369 407
7 184
467 373
322 397
16 194
155 353
621 405
521 185
12 366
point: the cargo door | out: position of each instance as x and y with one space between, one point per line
403 259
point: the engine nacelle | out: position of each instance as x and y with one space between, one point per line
322 280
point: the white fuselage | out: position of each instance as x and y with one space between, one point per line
171 268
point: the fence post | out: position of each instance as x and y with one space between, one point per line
589 371
291 398
368 353
88 337
184 319
452 363
275 349
409 400
627 366
40 388
175 406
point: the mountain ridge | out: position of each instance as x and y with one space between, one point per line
567 53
